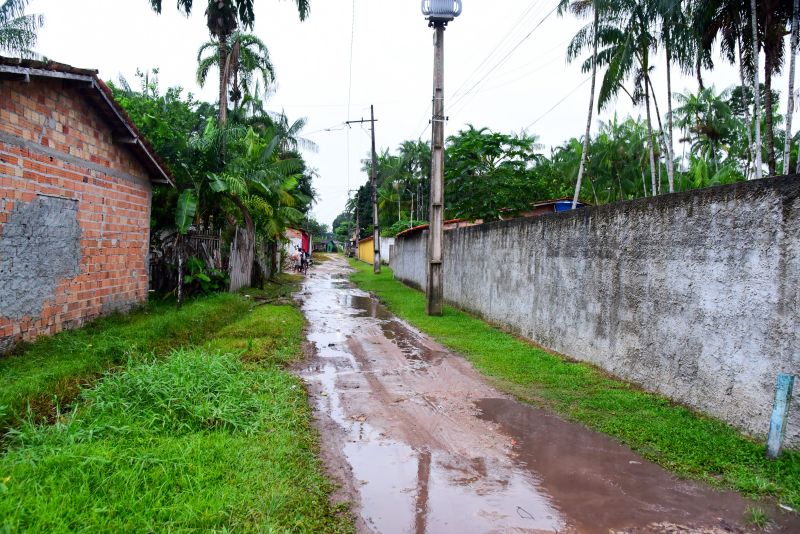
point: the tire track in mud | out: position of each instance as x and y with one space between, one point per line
420 443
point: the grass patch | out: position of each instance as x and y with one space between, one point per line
756 517
51 371
280 288
215 436
671 435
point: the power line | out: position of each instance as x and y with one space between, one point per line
543 115
507 56
428 110
499 44
502 61
350 84
526 73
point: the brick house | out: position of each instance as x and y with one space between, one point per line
75 188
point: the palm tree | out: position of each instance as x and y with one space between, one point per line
628 42
581 8
679 47
18 30
261 185
787 145
709 119
223 18
762 25
248 56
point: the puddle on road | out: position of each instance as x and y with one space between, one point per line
596 481
394 330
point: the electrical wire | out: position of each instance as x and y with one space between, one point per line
350 85
574 90
499 44
501 62
526 74
507 56
429 109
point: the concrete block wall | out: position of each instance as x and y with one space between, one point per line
74 213
693 295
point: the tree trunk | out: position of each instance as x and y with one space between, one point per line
747 118
242 251
650 131
670 139
179 288
768 119
585 151
663 137
787 144
756 92
224 74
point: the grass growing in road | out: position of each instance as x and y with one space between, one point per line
50 372
214 436
660 430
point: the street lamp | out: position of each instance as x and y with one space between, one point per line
438 13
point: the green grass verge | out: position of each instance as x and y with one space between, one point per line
212 437
280 288
50 372
671 435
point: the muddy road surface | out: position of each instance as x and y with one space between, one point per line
420 443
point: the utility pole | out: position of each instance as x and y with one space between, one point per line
357 230
435 289
376 231
438 13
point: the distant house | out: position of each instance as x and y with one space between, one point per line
366 250
550 206
297 239
75 189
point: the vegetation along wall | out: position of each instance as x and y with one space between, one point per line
693 295
74 212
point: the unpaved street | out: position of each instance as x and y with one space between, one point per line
420 442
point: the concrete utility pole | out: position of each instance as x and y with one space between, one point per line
438 13
376 231
436 229
355 232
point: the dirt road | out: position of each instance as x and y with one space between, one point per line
420 442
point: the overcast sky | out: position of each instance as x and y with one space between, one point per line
391 68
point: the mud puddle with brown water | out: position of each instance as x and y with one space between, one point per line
420 443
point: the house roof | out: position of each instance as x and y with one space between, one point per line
422 227
97 92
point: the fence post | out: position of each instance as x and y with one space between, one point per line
780 412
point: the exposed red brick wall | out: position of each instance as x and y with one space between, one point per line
38 121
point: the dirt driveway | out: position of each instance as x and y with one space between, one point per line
420 442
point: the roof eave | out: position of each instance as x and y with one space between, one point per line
158 173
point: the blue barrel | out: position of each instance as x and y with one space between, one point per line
566 205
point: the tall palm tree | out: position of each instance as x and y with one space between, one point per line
18 30
628 41
248 56
223 17
773 16
762 25
756 89
678 41
708 118
582 8
787 145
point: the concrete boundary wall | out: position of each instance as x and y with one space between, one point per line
694 295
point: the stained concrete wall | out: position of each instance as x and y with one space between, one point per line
694 295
